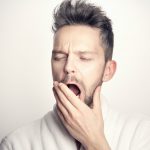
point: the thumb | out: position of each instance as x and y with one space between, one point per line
96 100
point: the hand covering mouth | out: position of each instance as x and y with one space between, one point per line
74 88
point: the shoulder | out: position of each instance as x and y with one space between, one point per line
141 137
22 137
136 133
26 130
128 131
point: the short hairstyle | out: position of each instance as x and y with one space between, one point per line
80 12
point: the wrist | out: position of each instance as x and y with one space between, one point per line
101 144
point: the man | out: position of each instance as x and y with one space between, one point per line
81 62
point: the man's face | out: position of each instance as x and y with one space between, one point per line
78 60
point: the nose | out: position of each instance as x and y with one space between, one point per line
70 66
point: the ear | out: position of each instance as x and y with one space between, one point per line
110 69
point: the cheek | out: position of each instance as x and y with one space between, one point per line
57 71
92 70
92 76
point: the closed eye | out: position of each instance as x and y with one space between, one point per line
85 58
58 57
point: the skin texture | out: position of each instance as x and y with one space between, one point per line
78 58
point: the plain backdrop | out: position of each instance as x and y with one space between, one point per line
25 51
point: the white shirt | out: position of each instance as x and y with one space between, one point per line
122 133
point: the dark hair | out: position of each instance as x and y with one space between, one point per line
80 12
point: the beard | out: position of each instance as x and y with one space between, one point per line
88 100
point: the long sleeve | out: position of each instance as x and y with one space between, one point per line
141 140
4 145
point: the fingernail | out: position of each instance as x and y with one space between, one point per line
55 83
60 84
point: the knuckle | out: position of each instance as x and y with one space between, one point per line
68 120
76 117
59 104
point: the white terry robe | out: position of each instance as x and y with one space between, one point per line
48 133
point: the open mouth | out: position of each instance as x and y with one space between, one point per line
74 88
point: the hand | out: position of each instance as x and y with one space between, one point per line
85 124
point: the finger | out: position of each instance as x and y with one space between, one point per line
60 114
62 98
96 100
67 122
64 120
74 100
60 105
55 94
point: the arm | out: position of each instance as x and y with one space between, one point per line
85 124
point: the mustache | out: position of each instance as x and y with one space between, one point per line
70 79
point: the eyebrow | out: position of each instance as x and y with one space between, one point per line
58 51
84 52
76 52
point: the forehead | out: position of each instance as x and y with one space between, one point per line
77 38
